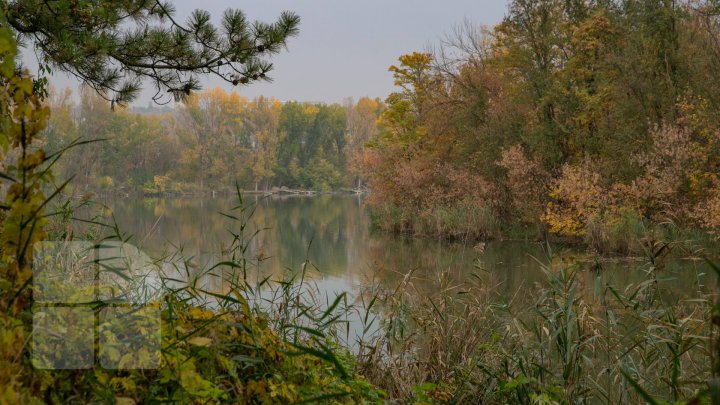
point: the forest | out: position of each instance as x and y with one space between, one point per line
591 120
212 142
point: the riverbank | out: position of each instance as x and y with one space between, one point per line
572 339
104 193
627 235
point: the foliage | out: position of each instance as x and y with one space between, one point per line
580 199
227 356
212 141
208 354
526 182
23 117
570 114
113 45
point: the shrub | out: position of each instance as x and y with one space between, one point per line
463 220
105 182
527 182
577 197
215 347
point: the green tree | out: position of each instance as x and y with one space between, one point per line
298 145
214 120
114 45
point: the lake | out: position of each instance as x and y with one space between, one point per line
334 233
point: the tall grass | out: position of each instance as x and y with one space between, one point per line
229 334
562 342
459 221
569 339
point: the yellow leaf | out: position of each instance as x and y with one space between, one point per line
200 341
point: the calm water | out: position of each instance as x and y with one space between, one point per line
334 233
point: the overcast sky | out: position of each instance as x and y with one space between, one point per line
344 47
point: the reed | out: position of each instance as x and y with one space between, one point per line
562 342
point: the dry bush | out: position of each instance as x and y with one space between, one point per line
527 182
667 165
427 337
707 213
674 187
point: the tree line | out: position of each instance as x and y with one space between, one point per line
210 142
587 119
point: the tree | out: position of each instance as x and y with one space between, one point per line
95 124
113 45
402 119
562 97
62 126
361 128
262 120
296 121
213 118
532 45
312 152
213 141
330 127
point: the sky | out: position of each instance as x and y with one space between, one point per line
344 48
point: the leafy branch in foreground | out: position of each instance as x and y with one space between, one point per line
113 45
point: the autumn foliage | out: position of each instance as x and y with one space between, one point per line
213 141
587 120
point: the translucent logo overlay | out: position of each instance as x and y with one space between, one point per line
94 306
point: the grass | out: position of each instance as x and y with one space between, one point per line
466 222
557 342
227 335
626 234
560 344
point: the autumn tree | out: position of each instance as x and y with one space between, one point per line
362 126
61 128
262 121
95 124
214 122
560 98
213 141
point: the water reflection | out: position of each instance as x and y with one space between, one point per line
333 233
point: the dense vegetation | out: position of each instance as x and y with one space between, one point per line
210 143
592 120
572 339
229 352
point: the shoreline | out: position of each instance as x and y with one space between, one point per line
275 191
